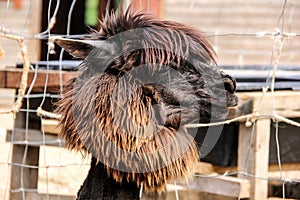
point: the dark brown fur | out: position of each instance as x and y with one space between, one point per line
106 107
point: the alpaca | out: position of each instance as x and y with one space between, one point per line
141 81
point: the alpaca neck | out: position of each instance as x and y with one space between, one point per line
98 185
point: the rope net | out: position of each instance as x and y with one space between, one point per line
260 35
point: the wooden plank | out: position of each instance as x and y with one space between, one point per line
203 168
292 174
2 79
257 161
23 177
184 194
7 99
34 46
50 126
40 196
272 168
223 185
285 167
11 77
286 102
192 195
222 170
34 138
243 147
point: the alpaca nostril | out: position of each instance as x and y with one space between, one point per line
229 84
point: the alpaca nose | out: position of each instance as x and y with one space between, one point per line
230 86
229 83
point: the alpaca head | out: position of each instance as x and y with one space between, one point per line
141 81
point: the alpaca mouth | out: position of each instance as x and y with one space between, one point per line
232 100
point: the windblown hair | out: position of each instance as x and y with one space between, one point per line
131 99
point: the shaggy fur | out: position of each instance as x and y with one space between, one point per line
98 185
128 105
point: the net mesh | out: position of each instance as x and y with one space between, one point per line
259 34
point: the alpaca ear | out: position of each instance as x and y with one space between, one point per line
77 48
82 48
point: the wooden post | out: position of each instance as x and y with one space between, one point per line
34 46
23 177
29 180
258 158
